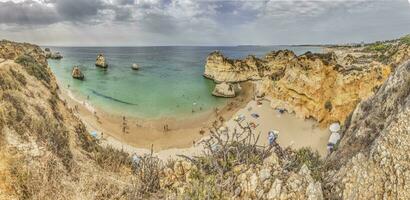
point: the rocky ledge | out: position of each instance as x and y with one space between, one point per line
100 61
226 90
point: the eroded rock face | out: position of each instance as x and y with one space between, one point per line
77 74
325 91
222 69
310 85
100 61
372 159
224 90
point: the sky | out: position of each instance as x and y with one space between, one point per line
202 22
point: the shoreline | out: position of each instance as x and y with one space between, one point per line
144 133
294 132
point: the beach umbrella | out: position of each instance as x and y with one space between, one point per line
335 127
94 134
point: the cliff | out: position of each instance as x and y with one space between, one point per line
45 150
372 158
311 85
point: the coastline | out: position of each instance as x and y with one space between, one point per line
144 133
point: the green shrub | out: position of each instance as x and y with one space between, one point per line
378 47
310 159
405 40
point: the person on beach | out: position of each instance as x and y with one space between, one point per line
272 136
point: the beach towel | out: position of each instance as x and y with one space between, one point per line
255 115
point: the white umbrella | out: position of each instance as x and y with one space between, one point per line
335 127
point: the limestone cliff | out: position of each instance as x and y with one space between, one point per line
311 85
372 158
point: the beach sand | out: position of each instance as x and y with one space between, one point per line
142 134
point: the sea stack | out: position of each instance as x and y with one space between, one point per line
100 61
77 74
51 55
135 66
224 90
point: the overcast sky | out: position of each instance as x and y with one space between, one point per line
201 22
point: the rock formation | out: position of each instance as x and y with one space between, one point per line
372 158
135 66
100 61
224 90
52 55
310 85
76 73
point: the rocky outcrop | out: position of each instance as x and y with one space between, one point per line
310 85
221 69
100 61
323 90
52 55
77 74
12 50
224 90
372 158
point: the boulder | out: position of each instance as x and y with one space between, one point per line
135 66
224 90
77 74
100 61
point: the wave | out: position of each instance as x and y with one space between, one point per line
112 98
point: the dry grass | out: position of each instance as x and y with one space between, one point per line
40 182
33 68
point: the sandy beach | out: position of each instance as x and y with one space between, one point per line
140 135
143 133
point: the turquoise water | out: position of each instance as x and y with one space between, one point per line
168 84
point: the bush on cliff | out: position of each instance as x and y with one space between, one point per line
34 68
405 40
378 47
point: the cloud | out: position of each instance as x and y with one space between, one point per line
78 10
211 21
27 13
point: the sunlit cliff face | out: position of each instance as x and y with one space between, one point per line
193 22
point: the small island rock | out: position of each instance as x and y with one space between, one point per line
77 74
100 61
135 66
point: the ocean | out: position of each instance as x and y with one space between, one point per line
169 82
